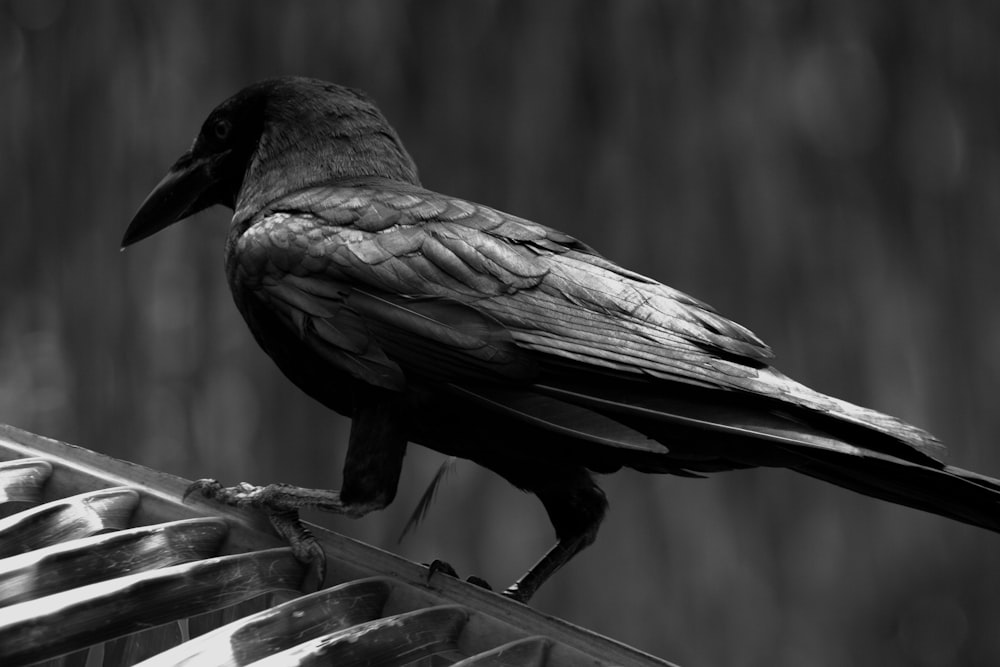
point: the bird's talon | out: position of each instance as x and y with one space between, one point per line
242 494
208 488
440 566
305 547
479 581
446 569
309 552
516 594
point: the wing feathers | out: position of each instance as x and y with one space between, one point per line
439 337
412 283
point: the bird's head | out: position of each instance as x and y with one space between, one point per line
269 139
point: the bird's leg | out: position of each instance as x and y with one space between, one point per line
371 475
576 507
371 469
375 453
524 588
281 503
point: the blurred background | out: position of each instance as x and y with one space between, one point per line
824 172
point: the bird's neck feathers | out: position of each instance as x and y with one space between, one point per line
328 149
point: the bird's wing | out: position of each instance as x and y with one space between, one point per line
523 281
372 334
393 280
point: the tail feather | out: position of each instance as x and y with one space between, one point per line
946 491
611 424
855 448
716 424
427 499
835 408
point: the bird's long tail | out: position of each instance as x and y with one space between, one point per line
947 491
885 459
615 423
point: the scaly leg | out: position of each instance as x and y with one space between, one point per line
524 588
371 475
576 507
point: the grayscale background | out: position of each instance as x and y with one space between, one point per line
826 173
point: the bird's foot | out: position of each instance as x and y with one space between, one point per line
304 545
515 593
281 503
440 566
241 495
278 497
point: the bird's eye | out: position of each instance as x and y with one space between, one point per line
221 129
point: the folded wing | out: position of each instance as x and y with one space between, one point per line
394 284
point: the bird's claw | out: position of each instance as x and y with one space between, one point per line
304 545
284 519
241 495
445 568
479 581
441 566
513 592
244 494
206 487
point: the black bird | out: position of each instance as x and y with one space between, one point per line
431 319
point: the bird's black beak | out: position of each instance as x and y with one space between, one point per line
186 189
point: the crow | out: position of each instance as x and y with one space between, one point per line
431 319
